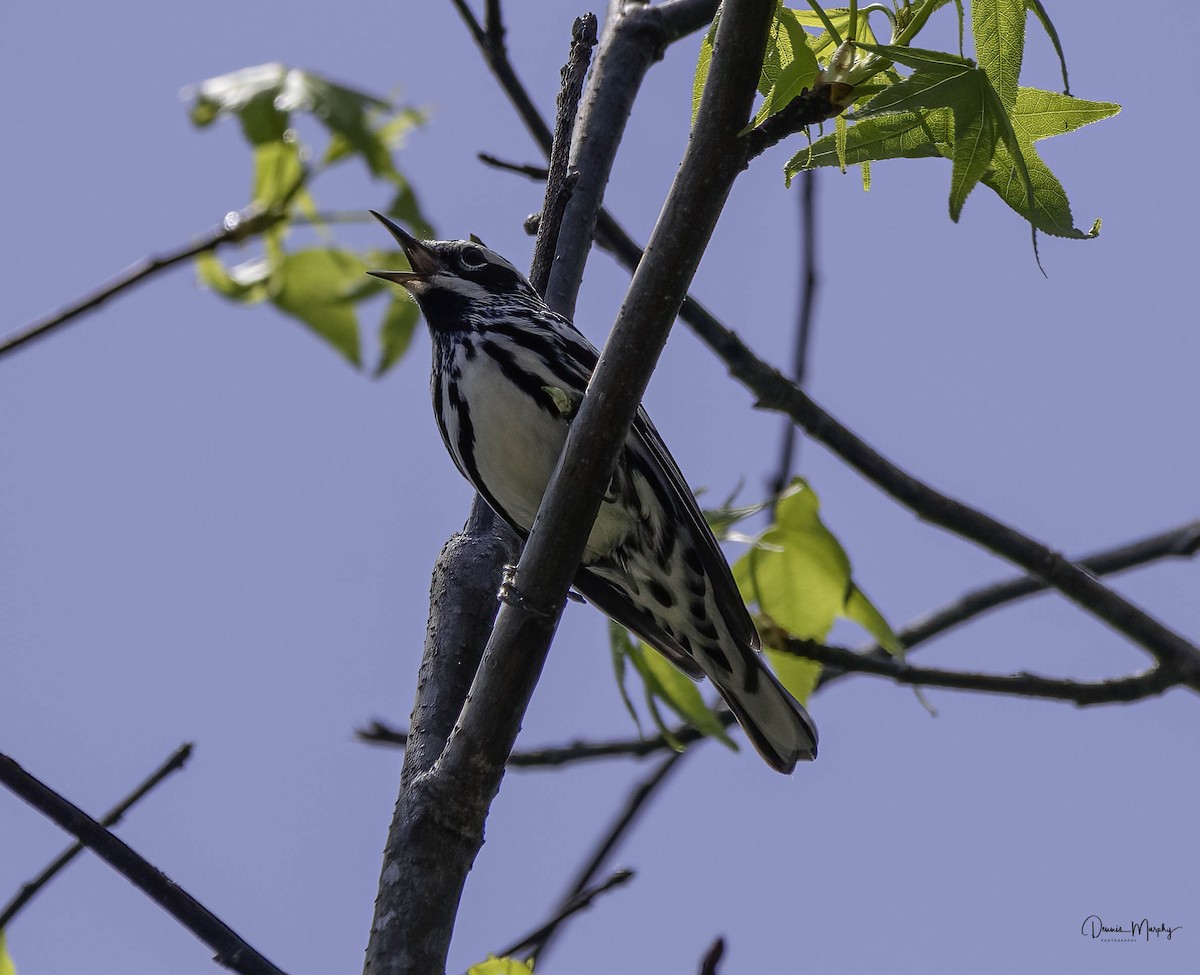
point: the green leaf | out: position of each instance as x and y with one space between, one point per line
501 966
797 574
662 681
6 963
247 282
667 683
406 210
703 62
998 27
248 93
798 675
278 173
319 287
1039 115
798 75
621 647
395 335
863 612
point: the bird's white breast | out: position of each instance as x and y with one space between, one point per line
517 442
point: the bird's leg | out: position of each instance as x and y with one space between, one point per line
509 593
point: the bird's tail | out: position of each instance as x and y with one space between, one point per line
774 721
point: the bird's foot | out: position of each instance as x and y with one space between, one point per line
509 593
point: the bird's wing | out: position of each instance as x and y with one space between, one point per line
616 605
644 438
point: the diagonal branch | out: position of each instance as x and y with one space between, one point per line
1180 542
560 183
635 804
28 891
232 950
236 227
582 901
1149 683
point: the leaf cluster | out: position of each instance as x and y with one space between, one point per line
320 286
974 113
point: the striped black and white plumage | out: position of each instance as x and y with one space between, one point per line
507 376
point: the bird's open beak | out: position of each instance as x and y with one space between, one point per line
424 260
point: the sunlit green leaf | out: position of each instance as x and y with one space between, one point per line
317 286
278 173
395 335
501 966
702 66
863 612
998 27
250 94
405 209
796 673
621 647
797 574
7 967
1039 115
667 683
247 282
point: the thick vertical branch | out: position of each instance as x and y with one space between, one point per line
442 811
418 896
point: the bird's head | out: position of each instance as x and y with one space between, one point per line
453 280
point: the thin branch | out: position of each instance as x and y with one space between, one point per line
1149 683
635 36
1180 542
635 804
712 957
808 294
29 890
494 53
775 392
538 173
234 228
560 183
581 902
232 950
378 733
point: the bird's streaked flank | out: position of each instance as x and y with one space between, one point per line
508 377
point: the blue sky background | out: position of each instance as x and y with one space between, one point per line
212 529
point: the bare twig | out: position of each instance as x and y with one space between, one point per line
635 804
29 890
582 901
1180 542
1149 683
808 294
234 228
232 950
378 733
712 957
537 173
560 183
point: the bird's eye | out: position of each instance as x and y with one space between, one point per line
472 258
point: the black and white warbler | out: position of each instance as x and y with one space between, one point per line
508 374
